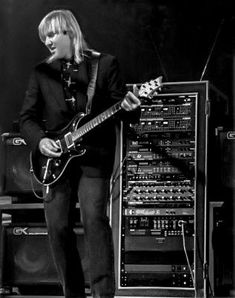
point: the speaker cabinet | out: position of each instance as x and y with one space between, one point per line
226 140
17 179
27 259
220 250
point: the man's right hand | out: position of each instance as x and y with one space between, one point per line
49 147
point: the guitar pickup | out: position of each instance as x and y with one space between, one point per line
69 140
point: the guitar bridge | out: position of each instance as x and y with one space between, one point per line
69 140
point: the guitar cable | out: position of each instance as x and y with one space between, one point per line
181 224
34 191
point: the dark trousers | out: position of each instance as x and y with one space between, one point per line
91 186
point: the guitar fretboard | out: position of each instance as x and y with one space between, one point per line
85 128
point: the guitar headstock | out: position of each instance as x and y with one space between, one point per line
151 88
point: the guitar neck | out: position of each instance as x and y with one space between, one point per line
85 128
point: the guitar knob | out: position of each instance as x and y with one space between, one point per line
57 162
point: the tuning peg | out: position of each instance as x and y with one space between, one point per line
159 81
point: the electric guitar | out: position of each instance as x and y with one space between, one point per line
47 170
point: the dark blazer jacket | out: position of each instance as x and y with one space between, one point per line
44 108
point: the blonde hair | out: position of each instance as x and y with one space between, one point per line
64 21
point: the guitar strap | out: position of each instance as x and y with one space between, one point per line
92 84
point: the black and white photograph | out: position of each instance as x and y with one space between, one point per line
117 149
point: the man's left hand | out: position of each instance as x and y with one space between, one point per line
131 101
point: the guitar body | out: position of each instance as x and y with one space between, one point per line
48 170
